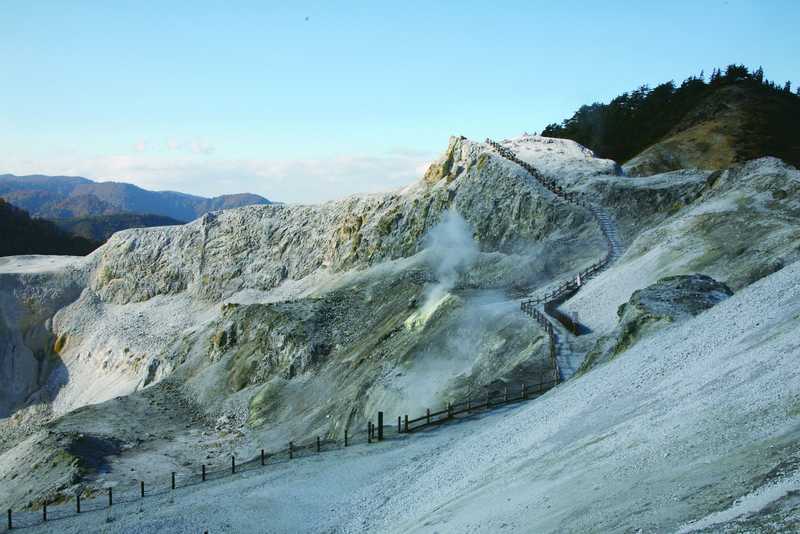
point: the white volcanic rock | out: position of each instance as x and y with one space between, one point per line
32 290
693 430
136 301
561 158
295 321
736 226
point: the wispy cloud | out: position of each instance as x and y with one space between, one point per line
201 146
195 146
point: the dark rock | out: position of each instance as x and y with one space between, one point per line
668 301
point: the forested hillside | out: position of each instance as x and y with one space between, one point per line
21 234
736 115
101 227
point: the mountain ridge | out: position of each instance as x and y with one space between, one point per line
61 197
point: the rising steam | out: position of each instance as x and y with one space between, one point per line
451 251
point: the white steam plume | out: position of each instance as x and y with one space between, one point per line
451 250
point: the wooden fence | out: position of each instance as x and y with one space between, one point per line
553 299
493 399
114 496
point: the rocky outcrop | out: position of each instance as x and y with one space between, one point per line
638 204
670 300
31 368
282 322
563 159
242 298
259 247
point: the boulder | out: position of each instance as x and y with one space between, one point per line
671 300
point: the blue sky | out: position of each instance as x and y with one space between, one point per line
216 97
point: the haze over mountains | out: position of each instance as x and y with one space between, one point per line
61 197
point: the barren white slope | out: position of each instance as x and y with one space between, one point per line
677 245
38 264
563 158
144 292
672 431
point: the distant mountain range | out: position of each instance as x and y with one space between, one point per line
64 197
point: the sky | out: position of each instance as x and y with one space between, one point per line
311 101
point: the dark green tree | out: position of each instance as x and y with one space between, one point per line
635 120
21 234
734 73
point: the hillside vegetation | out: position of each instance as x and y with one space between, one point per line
101 227
22 234
736 116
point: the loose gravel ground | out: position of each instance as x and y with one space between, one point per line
672 431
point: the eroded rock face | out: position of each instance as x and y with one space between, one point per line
258 247
151 300
288 321
670 300
30 352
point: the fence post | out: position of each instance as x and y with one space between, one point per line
291 451
406 422
78 502
399 425
318 447
262 456
233 464
110 497
10 525
380 426
427 418
345 437
369 431
173 480
203 475
141 489
449 410
44 511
